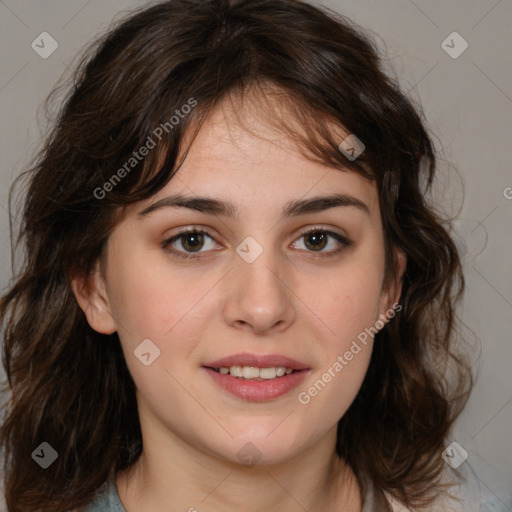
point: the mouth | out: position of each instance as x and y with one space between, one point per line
254 373
257 378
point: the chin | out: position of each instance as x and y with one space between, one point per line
250 451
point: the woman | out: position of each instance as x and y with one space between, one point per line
235 294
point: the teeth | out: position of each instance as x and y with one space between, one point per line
251 372
280 371
268 373
236 371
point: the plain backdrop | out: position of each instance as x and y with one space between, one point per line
466 94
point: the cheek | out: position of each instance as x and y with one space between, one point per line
169 306
349 302
346 355
172 311
351 318
148 297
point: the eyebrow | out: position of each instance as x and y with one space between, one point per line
213 206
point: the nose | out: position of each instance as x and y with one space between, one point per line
259 299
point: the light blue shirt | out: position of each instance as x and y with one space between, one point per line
107 500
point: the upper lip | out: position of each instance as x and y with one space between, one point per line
258 361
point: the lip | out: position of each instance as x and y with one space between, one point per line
258 361
257 390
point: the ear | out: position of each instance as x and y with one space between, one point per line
390 294
91 295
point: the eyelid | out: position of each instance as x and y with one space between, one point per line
189 229
344 240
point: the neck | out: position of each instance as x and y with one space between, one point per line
171 476
208 483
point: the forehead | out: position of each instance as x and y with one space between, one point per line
237 151
239 156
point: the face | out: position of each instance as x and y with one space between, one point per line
252 286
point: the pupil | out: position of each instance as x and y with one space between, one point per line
197 239
315 240
316 236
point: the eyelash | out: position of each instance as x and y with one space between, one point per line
345 242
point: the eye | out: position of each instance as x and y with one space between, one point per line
316 239
191 241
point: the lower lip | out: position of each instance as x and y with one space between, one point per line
258 390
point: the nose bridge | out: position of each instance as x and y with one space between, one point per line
259 276
258 295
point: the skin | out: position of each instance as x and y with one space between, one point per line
289 301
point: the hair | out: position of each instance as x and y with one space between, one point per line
70 386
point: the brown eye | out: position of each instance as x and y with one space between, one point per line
191 241
316 240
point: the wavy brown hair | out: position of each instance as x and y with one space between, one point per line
69 385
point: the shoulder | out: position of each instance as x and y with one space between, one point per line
462 494
106 499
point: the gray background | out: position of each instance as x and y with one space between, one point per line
468 103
